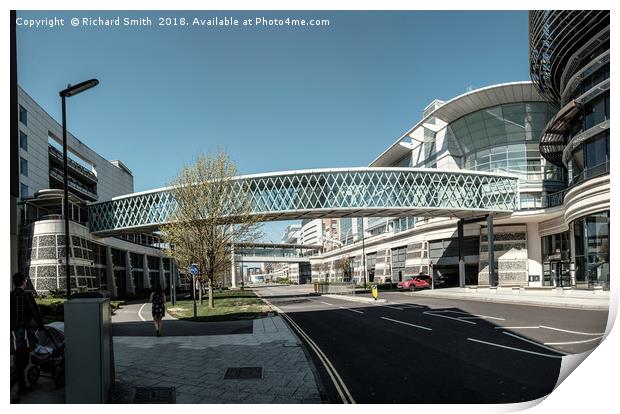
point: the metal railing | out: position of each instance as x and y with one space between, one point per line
72 164
589 173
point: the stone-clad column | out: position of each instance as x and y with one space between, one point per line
109 273
131 288
146 277
233 275
162 272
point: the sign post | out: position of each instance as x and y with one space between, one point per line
193 269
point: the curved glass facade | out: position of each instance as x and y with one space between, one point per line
504 138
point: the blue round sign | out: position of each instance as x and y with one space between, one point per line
193 269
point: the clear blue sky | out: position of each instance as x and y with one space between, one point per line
273 98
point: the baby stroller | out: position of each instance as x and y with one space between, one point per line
49 356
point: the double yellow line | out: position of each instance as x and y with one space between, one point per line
339 384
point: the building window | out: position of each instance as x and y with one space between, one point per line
24 190
23 166
23 115
23 141
591 235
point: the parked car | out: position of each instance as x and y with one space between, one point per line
413 283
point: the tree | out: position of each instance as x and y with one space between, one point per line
324 270
212 210
344 267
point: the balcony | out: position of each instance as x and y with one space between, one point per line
74 185
56 155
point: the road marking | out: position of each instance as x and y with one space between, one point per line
574 332
326 303
517 327
406 323
392 307
140 312
533 343
552 328
573 342
352 310
514 349
431 313
341 388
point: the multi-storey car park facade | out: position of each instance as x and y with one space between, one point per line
524 164
123 264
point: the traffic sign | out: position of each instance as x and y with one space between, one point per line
374 291
193 269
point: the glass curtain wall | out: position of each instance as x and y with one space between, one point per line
591 235
505 139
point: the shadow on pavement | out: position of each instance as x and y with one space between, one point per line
183 328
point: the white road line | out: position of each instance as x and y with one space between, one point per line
574 332
449 317
392 307
517 327
573 342
482 317
473 316
533 343
514 349
406 323
140 312
325 303
352 310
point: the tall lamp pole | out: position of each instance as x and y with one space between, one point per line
67 93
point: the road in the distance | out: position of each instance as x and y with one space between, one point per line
427 350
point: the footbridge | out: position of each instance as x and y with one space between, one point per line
343 192
274 253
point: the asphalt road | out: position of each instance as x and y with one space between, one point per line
429 350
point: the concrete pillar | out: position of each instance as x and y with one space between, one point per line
233 275
145 272
490 250
571 240
534 254
109 272
162 272
461 257
131 288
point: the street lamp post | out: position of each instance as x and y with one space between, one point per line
67 93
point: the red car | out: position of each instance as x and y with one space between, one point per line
415 282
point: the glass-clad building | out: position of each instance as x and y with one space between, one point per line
571 69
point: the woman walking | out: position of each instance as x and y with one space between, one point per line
158 299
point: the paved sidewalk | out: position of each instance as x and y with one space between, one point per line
195 366
553 298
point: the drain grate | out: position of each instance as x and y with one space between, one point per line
155 395
244 373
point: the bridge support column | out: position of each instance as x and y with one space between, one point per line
233 275
131 288
109 273
146 277
461 257
491 253
162 274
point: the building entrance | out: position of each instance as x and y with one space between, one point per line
556 273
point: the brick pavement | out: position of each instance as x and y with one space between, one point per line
195 366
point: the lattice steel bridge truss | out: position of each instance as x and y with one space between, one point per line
356 192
